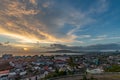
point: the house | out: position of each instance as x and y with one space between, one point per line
60 63
5 72
64 58
4 75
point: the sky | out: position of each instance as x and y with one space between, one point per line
33 23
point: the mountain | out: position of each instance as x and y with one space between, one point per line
62 51
112 46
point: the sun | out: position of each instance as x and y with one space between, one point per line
25 49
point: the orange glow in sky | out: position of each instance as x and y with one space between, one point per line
25 49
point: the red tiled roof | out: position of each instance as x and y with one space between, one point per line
5 66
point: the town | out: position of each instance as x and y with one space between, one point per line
41 67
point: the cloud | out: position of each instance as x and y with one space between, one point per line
47 4
33 2
15 8
84 36
31 21
1 44
99 7
105 37
116 37
17 22
99 38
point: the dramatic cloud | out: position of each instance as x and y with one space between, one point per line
17 21
45 21
46 25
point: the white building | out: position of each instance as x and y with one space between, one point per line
95 71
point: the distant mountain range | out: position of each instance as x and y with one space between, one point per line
97 47
62 51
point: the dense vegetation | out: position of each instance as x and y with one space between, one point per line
113 68
57 73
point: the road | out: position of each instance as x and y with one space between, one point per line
98 76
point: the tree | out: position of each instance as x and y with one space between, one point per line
92 78
113 68
71 62
84 77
